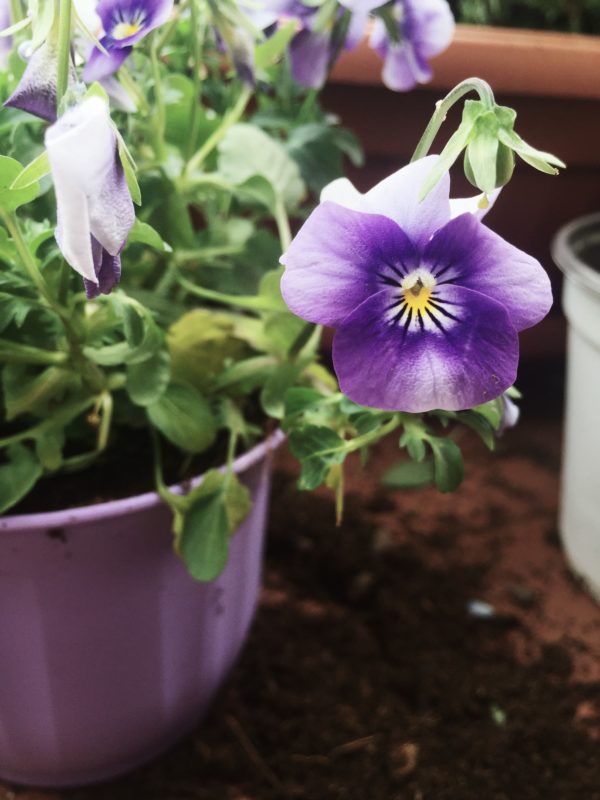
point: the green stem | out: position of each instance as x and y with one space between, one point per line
233 116
61 418
352 445
283 224
65 14
175 502
248 302
159 117
16 353
131 86
16 11
28 262
442 107
197 43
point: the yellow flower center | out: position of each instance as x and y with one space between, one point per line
125 29
416 290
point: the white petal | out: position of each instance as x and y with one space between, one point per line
344 193
473 205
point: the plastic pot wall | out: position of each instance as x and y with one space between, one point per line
580 492
109 650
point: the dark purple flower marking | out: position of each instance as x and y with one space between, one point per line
36 91
125 22
426 307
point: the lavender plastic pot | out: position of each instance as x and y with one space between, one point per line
109 650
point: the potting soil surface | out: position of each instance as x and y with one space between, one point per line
432 647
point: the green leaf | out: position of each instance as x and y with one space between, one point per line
272 397
48 448
11 199
269 51
33 172
410 474
18 476
448 464
25 392
184 417
147 380
142 233
246 151
218 506
298 399
313 473
129 170
313 440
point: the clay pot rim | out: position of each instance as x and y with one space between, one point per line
115 508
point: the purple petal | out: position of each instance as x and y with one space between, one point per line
128 21
397 197
455 363
430 25
108 271
403 68
361 6
356 30
340 257
310 53
36 91
468 253
101 66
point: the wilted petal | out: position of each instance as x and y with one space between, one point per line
107 269
91 191
468 253
385 363
36 91
338 258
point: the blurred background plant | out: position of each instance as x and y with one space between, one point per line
577 16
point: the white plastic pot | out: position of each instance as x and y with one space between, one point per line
576 251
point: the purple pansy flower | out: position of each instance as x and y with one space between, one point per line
124 22
424 29
94 207
427 307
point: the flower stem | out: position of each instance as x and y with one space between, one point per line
442 107
283 224
16 11
213 140
28 262
65 14
159 117
197 42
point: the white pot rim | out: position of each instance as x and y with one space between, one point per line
113 508
565 255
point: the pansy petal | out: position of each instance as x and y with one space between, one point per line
102 65
72 229
467 252
338 258
398 197
403 67
431 26
470 359
344 193
128 21
479 205
309 55
361 6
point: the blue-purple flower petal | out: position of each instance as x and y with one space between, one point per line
310 54
339 258
128 21
108 271
36 91
385 362
469 254
102 65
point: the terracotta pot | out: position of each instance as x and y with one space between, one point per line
576 250
550 79
109 650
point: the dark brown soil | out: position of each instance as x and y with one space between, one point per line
367 675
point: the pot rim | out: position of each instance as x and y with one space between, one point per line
567 260
112 508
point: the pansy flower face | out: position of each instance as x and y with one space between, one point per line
426 306
124 22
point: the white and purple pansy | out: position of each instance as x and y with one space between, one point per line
426 306
416 30
94 207
124 22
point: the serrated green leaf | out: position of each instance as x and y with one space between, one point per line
148 380
184 417
410 475
448 464
18 476
316 440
